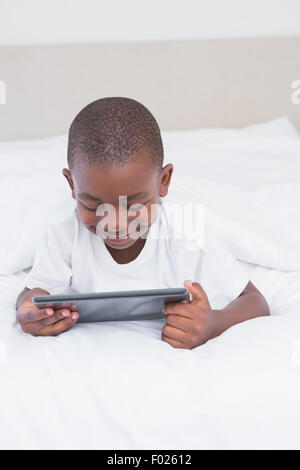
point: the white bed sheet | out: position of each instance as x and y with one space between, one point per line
117 385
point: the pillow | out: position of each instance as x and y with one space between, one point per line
260 227
33 157
27 206
235 157
279 127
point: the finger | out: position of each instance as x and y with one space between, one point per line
58 315
34 314
172 342
178 308
180 322
43 327
198 293
59 327
174 333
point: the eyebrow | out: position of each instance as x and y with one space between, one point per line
96 199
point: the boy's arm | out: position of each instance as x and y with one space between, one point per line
249 304
190 324
51 270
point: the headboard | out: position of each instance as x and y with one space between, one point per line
186 84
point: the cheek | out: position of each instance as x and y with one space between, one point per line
148 214
145 216
86 217
152 210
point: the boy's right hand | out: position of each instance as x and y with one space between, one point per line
44 321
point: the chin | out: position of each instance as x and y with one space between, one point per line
120 246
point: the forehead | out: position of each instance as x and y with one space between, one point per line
131 178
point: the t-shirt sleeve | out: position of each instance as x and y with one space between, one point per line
222 276
51 268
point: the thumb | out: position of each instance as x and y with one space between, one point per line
198 294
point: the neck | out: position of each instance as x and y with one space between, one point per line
128 254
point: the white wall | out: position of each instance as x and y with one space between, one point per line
52 21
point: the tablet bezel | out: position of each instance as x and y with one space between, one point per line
167 292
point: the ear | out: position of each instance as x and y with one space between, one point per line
165 179
68 176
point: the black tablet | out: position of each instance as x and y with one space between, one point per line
121 305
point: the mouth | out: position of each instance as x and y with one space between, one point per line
117 240
113 239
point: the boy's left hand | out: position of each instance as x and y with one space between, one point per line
188 324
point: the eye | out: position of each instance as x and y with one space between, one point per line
88 208
138 206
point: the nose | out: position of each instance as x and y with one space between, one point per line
115 223
118 221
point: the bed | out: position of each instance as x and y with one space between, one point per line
117 385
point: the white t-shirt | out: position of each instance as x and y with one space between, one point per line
70 258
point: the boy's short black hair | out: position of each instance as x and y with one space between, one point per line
111 131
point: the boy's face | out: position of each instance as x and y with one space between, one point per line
119 221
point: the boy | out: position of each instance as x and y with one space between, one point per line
115 159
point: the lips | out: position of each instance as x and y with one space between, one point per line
117 239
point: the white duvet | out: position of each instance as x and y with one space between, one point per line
118 386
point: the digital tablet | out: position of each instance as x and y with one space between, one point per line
110 306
